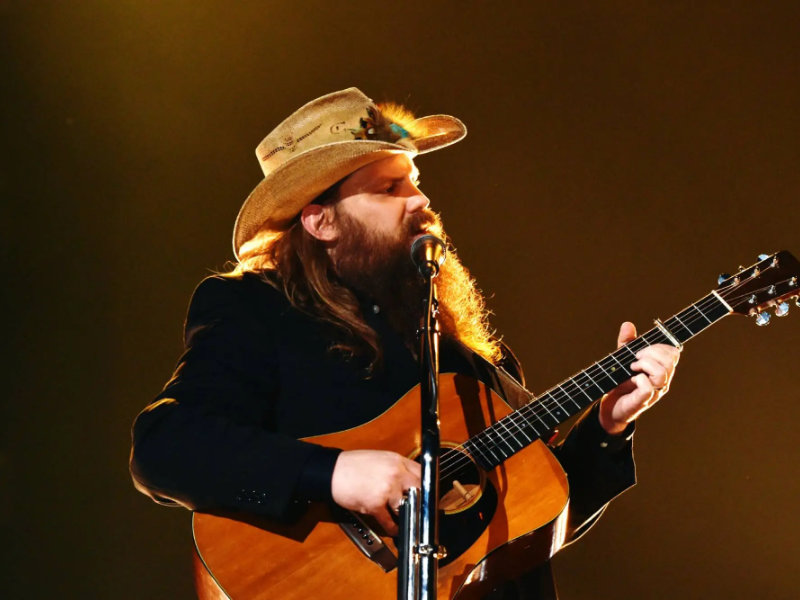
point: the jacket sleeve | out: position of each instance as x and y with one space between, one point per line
599 467
205 442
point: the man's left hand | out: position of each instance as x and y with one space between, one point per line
655 366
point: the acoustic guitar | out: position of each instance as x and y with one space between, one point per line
504 496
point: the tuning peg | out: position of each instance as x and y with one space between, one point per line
763 256
782 309
722 277
762 319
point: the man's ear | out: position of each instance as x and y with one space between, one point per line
318 221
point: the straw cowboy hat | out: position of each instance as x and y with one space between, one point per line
323 142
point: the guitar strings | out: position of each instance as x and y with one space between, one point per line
534 409
566 390
640 341
538 409
454 454
700 307
453 459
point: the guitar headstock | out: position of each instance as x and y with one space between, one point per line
771 282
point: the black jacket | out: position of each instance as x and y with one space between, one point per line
258 374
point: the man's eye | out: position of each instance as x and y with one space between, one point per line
397 184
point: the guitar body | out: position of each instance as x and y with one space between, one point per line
494 525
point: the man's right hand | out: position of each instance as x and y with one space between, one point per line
372 482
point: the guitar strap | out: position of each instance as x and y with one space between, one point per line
512 389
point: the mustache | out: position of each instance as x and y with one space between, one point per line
425 221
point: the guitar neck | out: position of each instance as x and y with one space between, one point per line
533 421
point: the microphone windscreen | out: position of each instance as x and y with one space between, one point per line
428 253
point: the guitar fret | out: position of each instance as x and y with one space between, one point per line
531 412
586 372
713 310
511 434
584 392
527 422
488 454
560 387
681 339
555 414
691 322
527 428
625 373
527 409
559 413
543 404
530 408
490 459
702 314
655 336
483 439
510 417
718 308
624 368
503 439
492 444
608 377
475 451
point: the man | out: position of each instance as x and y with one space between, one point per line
314 332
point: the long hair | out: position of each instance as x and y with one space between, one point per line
299 265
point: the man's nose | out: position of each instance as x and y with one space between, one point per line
417 203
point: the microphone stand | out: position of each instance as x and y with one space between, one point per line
429 395
419 549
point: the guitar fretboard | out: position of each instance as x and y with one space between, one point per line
536 419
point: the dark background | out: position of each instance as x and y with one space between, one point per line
620 156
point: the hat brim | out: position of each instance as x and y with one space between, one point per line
282 194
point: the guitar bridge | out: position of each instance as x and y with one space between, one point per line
366 540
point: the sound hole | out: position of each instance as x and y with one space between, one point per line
461 481
467 501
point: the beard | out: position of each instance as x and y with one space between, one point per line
378 267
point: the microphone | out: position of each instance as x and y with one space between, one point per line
428 253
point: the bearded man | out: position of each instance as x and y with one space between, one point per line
314 331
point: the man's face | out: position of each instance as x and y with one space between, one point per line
380 211
384 198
